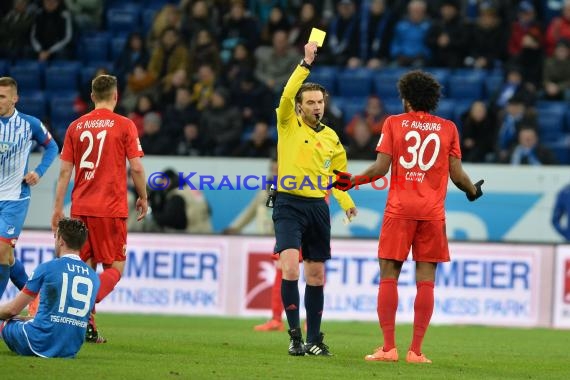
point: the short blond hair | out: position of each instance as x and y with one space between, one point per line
8 82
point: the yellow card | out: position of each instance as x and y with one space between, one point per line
317 36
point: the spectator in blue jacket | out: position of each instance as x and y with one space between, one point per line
409 47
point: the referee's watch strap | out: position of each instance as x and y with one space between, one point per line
305 65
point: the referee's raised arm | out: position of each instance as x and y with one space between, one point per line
286 109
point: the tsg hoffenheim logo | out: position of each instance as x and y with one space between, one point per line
327 164
5 146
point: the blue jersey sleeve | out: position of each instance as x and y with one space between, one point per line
36 279
41 135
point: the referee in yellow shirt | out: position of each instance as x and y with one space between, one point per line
308 152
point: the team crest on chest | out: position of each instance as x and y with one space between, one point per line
327 164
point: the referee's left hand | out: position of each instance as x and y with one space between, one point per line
32 178
351 213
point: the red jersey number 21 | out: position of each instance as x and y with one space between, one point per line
85 163
418 148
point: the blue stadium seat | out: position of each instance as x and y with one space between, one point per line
561 149
148 18
446 109
94 48
4 67
441 74
62 111
325 76
157 4
551 119
350 106
386 84
28 74
461 106
123 19
62 76
466 85
354 82
118 44
493 83
33 103
393 106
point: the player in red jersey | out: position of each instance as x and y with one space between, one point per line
423 152
97 146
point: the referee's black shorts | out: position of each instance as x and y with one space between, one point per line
302 223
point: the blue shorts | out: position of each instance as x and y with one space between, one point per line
302 223
12 331
12 217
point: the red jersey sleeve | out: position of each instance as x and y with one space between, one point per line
385 143
132 143
67 150
455 149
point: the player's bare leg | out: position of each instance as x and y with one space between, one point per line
387 305
423 309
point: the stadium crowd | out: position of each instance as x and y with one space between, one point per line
202 77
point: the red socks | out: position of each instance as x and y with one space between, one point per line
387 307
423 309
276 302
109 278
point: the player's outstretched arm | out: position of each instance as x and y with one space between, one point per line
460 179
60 190
137 173
15 307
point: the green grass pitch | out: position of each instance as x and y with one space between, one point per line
165 347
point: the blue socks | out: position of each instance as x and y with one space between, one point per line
290 297
314 303
4 277
18 274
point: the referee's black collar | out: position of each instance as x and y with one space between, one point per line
319 127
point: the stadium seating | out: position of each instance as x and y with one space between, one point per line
386 84
466 85
124 19
354 82
148 17
441 75
325 76
446 109
561 149
28 74
350 106
3 67
94 48
551 119
493 83
62 76
62 111
393 105
32 103
118 44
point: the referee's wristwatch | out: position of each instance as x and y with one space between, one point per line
305 65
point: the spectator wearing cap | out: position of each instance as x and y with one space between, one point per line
342 40
376 31
556 76
526 43
515 115
447 38
487 40
558 28
221 123
52 31
409 46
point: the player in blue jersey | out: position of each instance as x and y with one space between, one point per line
67 288
17 134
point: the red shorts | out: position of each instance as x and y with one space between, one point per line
106 239
427 238
275 256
